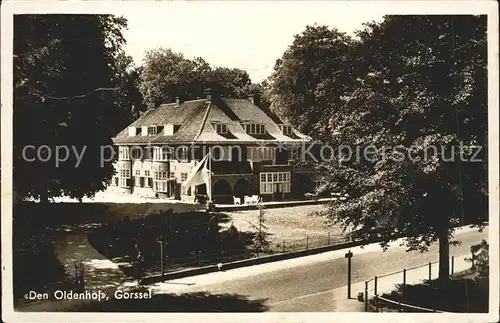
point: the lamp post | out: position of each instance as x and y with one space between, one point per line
349 270
160 241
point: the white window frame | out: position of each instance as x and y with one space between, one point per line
123 177
220 128
184 177
268 179
152 130
255 128
286 129
147 173
183 154
123 153
160 183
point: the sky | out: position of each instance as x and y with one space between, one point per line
237 34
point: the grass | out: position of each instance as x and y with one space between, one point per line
291 225
111 229
464 293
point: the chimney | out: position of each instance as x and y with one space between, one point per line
179 100
255 99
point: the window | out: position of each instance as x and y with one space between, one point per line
137 172
147 173
184 177
160 175
286 129
124 176
166 153
152 131
221 128
274 182
162 153
123 153
136 152
125 173
255 128
183 153
148 153
123 182
260 153
160 183
172 175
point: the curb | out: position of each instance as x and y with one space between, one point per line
249 262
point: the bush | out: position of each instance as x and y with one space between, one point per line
480 259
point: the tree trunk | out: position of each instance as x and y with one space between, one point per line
444 257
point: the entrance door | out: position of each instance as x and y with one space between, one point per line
278 191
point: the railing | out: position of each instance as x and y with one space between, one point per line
373 291
200 259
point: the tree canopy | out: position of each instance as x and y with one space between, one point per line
66 93
422 108
313 77
167 75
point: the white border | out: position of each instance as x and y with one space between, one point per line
9 8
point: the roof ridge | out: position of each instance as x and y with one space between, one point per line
205 117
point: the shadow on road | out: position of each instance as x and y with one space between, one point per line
189 302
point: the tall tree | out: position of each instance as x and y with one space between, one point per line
64 95
231 82
313 77
418 120
167 75
129 97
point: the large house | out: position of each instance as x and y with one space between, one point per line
252 151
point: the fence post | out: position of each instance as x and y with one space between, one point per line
430 272
375 302
307 243
283 245
399 306
161 257
366 296
452 264
404 277
198 260
82 275
375 285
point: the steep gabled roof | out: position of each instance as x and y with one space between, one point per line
196 118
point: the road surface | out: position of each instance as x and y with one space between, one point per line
307 283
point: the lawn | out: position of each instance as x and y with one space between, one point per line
127 232
296 226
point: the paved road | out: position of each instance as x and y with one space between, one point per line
303 283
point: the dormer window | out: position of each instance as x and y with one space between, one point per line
151 130
255 129
221 128
286 129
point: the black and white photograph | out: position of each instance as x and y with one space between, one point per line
227 161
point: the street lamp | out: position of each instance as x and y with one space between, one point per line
349 256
